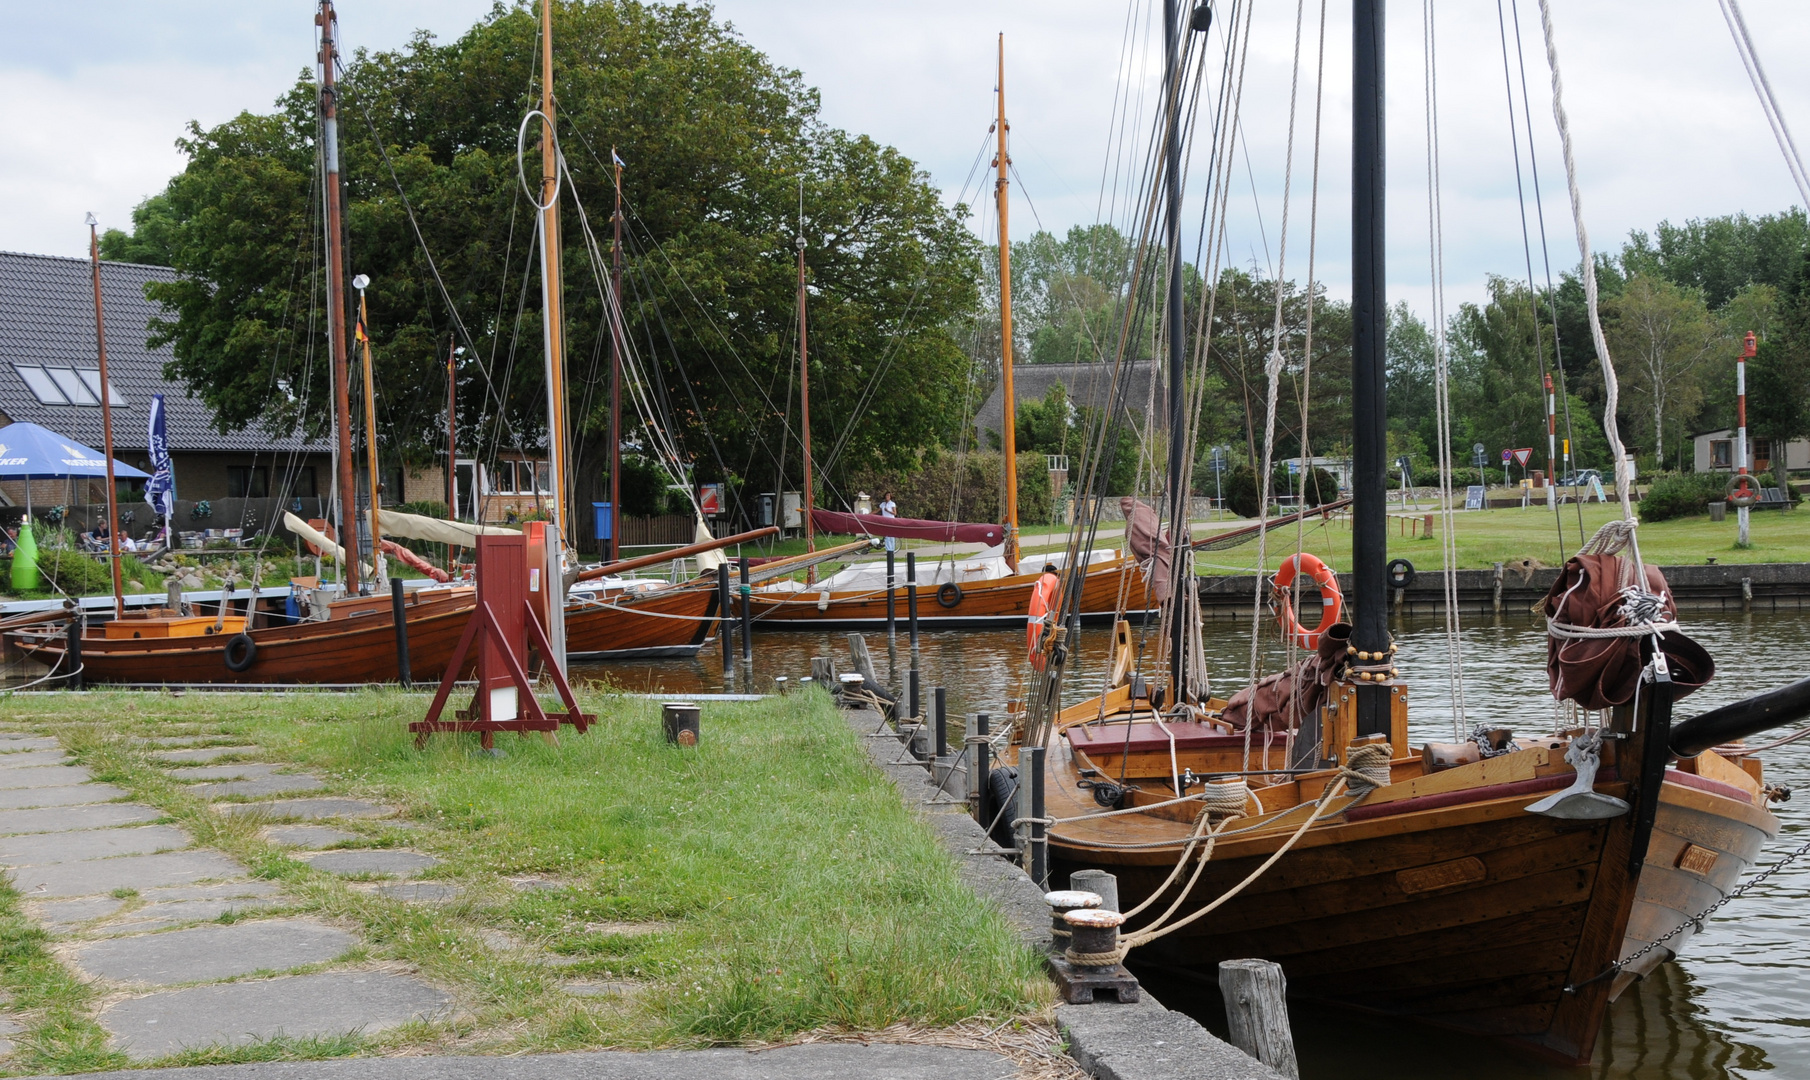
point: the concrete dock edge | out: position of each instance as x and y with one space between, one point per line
1109 1041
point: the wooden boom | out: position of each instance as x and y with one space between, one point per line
689 550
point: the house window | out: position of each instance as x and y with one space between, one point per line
1721 453
519 478
247 481
301 483
66 386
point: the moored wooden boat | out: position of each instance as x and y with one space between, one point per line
668 620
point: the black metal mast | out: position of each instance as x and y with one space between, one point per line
1178 416
1369 315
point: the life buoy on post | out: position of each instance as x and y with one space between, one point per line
1043 604
1332 601
1743 490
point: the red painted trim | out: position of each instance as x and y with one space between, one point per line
1469 795
1703 783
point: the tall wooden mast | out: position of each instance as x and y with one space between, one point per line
613 548
372 458
804 387
336 296
1369 315
100 346
1009 421
552 314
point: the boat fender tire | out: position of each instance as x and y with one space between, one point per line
948 594
1002 791
1401 573
241 652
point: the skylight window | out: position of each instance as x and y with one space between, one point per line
67 386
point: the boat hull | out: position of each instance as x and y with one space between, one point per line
341 651
1474 916
1000 602
667 622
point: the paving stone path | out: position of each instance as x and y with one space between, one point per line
134 906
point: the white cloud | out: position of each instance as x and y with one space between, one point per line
1664 121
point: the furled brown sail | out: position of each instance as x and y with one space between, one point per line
1601 672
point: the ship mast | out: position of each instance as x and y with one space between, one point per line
1369 313
106 395
336 299
372 462
1175 331
1008 421
804 387
553 338
612 549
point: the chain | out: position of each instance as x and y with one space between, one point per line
1694 921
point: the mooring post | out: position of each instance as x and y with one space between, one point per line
747 613
980 770
823 672
1030 810
939 716
911 600
1099 882
1257 1012
1496 588
911 685
402 632
725 623
76 622
892 616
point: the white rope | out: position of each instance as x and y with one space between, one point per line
1448 541
1611 385
1750 59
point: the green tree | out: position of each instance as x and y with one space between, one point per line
1719 256
1660 336
716 138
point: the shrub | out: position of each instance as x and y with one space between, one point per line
1676 495
1241 488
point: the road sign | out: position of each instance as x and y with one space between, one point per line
1477 448
1522 455
1474 497
1507 456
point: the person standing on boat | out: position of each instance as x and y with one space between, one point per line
889 509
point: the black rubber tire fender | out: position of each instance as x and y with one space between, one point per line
240 653
949 594
1002 791
1400 573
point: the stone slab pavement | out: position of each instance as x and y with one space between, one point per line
815 1061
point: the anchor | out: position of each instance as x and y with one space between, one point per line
1580 802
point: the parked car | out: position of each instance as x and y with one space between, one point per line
1581 478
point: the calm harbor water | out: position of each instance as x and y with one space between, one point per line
1736 1005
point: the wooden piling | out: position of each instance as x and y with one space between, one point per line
1256 999
1099 882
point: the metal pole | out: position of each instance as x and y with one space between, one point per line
77 620
1748 349
747 613
336 301
939 718
1369 315
725 623
1176 332
452 441
983 768
1030 807
403 675
100 346
892 623
911 598
911 682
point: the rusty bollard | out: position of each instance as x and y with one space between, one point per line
1093 937
1061 902
680 719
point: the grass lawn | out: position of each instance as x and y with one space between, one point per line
764 883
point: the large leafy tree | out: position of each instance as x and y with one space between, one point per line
717 141
1660 336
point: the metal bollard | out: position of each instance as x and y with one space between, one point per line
911 682
939 718
1099 882
911 598
1033 849
892 624
402 632
1063 901
1092 932
680 721
747 614
725 625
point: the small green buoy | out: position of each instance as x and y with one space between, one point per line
25 559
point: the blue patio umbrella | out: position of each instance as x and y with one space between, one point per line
29 452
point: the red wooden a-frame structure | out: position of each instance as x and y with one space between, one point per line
502 626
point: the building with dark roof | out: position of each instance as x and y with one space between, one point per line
1087 386
49 375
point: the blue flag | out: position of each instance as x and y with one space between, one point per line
160 490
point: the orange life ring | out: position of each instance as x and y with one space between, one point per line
1332 601
1043 601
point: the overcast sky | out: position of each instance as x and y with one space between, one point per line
1665 123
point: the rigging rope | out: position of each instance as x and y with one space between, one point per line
1750 59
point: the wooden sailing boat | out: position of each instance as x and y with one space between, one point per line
1410 882
975 591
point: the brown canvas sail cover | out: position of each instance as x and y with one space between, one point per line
958 532
1281 701
1599 673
